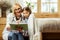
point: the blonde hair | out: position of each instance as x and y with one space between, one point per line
16 4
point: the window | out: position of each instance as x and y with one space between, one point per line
49 6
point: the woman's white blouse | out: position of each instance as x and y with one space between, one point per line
11 19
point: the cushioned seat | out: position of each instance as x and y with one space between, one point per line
51 27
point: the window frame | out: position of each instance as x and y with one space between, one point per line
39 7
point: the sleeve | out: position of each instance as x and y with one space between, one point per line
31 24
8 21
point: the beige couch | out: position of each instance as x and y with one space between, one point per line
46 25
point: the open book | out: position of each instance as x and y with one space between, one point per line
17 26
21 28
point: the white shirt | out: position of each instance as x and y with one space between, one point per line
11 19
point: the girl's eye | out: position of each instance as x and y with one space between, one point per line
26 13
23 13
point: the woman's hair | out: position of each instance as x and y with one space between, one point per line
27 9
13 7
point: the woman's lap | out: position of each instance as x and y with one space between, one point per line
15 36
12 36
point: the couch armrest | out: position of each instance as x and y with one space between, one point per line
36 36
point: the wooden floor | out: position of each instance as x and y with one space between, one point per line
1 30
2 25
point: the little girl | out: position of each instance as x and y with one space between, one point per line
26 13
29 17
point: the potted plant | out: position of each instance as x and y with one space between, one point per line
29 4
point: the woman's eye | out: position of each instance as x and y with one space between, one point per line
18 8
15 9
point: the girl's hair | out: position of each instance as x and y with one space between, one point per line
27 9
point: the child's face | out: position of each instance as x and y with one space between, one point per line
25 13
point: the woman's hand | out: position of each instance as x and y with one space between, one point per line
8 28
18 21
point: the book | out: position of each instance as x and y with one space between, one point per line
22 28
16 26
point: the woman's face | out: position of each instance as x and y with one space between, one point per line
17 10
26 14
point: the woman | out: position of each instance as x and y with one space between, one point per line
29 18
13 18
